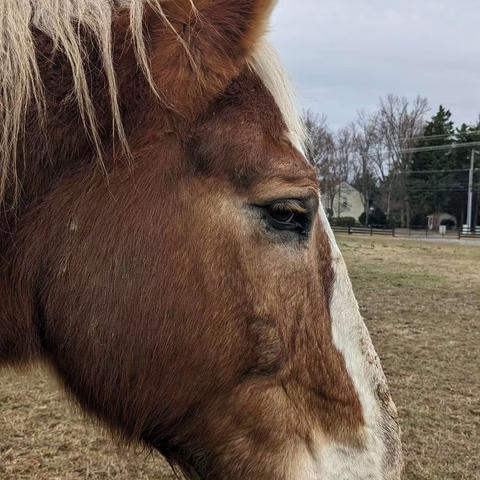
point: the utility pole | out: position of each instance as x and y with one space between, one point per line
470 193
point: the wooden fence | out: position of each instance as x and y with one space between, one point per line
473 236
371 231
365 231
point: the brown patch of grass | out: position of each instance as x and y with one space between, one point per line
422 304
44 437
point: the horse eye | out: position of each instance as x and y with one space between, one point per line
281 215
289 215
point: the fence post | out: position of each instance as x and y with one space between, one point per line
371 231
393 231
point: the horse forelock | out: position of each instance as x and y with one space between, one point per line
64 22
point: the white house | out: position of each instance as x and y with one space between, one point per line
347 202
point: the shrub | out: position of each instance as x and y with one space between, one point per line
419 220
343 222
376 218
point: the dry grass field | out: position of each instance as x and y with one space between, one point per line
422 304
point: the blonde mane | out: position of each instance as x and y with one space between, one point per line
20 82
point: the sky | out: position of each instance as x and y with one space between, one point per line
343 55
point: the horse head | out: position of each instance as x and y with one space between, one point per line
194 297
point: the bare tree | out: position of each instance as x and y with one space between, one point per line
369 146
345 151
320 152
344 160
373 149
319 145
399 121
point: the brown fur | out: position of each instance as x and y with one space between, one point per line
165 306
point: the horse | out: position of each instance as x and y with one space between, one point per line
163 246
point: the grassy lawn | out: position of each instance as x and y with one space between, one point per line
422 304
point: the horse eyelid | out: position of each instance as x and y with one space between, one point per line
296 204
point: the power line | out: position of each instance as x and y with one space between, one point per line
442 187
441 135
438 190
388 155
458 170
422 172
453 146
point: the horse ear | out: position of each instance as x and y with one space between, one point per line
199 46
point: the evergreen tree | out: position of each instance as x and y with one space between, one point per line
462 155
465 134
430 192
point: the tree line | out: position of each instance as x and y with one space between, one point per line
405 165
